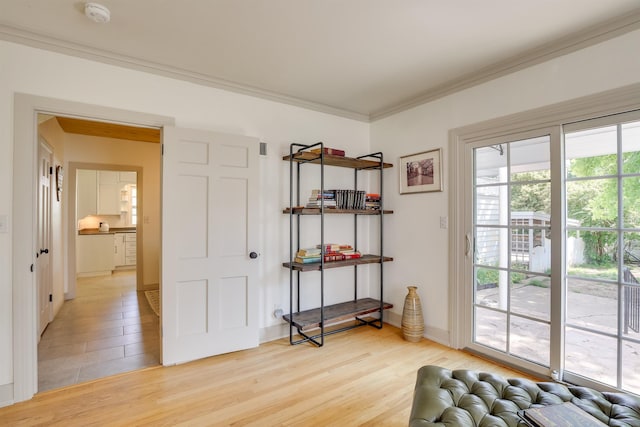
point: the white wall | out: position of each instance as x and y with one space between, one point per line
37 72
414 235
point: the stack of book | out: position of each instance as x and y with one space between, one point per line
332 252
372 201
350 199
330 151
316 198
344 199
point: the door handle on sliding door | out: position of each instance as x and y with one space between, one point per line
467 247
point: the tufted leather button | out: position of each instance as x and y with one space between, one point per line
465 398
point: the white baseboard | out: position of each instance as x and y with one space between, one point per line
6 395
440 336
274 332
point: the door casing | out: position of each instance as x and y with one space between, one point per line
25 336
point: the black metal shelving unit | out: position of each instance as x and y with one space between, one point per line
311 325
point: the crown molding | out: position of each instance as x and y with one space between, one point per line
565 45
571 43
20 36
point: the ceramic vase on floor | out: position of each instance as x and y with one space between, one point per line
412 320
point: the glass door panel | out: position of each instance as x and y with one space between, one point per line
602 263
512 248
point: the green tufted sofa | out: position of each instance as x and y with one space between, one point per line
464 398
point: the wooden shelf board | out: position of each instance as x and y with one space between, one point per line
310 319
341 161
315 266
334 211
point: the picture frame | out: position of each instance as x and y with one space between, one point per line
421 172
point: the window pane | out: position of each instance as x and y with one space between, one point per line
593 202
631 201
531 198
631 366
530 247
631 254
491 328
530 159
530 295
591 355
487 283
592 305
591 152
529 340
491 246
596 250
488 205
631 147
631 311
491 164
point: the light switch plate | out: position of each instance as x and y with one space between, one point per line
4 223
444 222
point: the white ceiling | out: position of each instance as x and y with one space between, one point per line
359 58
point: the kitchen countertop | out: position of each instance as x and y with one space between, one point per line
112 230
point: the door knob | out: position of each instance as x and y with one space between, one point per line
253 255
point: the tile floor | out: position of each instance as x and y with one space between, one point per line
107 329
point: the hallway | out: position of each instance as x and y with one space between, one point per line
107 329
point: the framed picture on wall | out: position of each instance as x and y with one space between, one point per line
421 172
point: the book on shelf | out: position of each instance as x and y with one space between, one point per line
372 201
309 252
328 257
329 151
318 199
335 247
344 199
563 414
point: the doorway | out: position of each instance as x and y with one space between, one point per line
106 325
25 319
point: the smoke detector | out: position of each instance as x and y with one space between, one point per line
97 12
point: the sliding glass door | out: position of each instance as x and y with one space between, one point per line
579 320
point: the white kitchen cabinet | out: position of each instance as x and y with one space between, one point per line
118 246
94 254
86 201
124 249
130 248
108 193
103 192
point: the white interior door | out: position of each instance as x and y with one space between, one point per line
210 243
43 266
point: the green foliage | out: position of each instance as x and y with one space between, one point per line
485 276
517 277
538 283
531 197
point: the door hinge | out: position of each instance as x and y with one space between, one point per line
31 268
50 170
50 297
162 149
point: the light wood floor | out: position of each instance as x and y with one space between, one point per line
108 328
360 377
